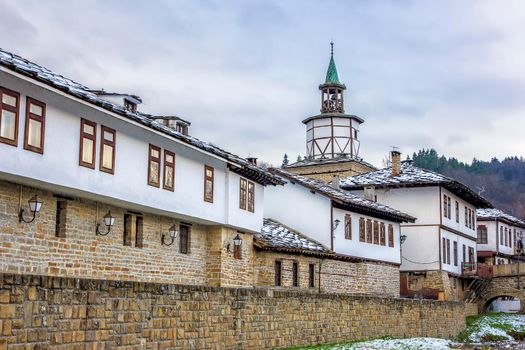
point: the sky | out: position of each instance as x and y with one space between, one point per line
443 74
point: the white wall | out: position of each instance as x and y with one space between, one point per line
491 236
298 208
452 268
421 248
59 165
354 247
453 221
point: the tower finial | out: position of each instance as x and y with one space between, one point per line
332 48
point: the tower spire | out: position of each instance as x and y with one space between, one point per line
331 75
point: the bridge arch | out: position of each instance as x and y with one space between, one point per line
494 294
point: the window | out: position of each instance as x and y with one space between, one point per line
470 218
60 223
362 230
455 253
243 186
169 171
470 255
510 237
311 275
9 107
464 253
390 235
376 232
88 143
368 231
466 217
382 234
208 184
444 244
184 245
154 166
482 234
348 226
130 106
448 251
501 235
128 221
182 128
251 196
457 212
35 125
449 208
107 150
139 232
295 274
506 238
445 205
278 272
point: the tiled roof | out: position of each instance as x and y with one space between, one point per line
276 236
25 67
310 162
346 198
493 214
412 176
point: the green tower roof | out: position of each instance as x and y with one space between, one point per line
331 74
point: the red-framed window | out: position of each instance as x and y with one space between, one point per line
107 149
376 232
208 183
88 143
169 171
348 226
362 230
9 112
35 125
368 231
251 196
382 234
154 166
243 193
390 235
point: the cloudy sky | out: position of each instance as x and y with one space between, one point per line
442 74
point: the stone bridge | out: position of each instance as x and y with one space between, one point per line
502 281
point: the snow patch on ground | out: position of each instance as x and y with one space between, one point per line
497 326
395 344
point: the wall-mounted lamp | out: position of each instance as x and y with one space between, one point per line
109 221
336 223
34 207
237 241
171 235
402 238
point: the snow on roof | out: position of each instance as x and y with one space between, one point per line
276 236
25 67
412 176
309 162
493 214
346 198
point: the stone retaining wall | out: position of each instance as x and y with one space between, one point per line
40 312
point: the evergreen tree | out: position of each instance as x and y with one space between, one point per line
285 160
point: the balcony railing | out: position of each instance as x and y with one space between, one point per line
475 269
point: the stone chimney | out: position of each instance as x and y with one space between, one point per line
370 193
336 182
396 163
252 160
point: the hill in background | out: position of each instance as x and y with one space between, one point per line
501 182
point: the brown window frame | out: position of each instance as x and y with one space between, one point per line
311 275
41 119
251 197
466 216
278 273
382 234
243 193
448 251
212 180
15 110
445 206
444 247
184 239
157 160
369 233
348 226
455 244
376 232
482 234
391 243
168 165
362 230
93 138
457 212
113 144
295 274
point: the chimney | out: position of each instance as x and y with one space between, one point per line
396 163
252 160
336 181
370 193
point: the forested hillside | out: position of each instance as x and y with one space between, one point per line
501 182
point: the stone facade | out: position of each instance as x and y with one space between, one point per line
325 171
61 313
337 276
78 252
453 288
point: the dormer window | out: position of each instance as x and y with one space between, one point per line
130 106
182 128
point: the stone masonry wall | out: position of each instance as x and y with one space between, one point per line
61 313
325 172
337 276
